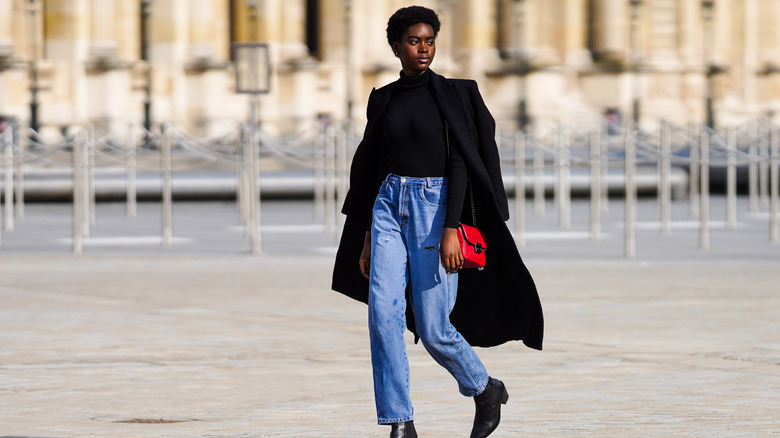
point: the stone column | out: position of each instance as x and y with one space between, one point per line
202 29
475 48
103 29
575 46
749 51
611 20
67 24
6 41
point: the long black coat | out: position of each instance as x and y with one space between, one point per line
493 306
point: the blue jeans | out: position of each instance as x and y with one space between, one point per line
408 222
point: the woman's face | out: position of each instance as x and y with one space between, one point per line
416 49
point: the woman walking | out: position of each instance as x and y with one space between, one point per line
428 157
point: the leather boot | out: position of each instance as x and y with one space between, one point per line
489 408
403 430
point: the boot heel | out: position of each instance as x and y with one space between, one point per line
504 397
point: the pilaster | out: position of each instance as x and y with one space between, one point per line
611 28
575 47
6 41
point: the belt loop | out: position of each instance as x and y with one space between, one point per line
428 183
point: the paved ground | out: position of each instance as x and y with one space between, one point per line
201 340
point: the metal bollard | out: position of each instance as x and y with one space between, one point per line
540 207
91 169
319 176
774 204
78 209
565 179
132 204
167 198
665 185
8 138
520 188
704 210
763 166
731 181
693 196
19 172
595 185
254 191
330 180
753 201
630 195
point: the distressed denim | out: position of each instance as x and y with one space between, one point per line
408 222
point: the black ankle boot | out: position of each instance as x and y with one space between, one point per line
403 430
489 408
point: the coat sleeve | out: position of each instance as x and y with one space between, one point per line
488 150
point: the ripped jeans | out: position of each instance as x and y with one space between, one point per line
408 222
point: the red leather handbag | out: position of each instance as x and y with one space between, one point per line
473 245
473 242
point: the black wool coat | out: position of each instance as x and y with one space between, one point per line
494 305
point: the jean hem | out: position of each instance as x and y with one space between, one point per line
395 420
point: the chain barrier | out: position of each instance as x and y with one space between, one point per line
543 162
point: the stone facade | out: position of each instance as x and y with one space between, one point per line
567 60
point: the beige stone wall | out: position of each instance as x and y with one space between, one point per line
579 52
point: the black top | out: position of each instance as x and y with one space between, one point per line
415 141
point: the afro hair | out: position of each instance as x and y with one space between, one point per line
404 18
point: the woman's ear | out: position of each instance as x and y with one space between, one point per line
395 47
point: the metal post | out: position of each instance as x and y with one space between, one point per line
753 171
254 190
557 158
666 178
520 188
8 137
595 185
91 169
167 195
78 209
245 175
604 153
341 172
539 184
132 205
565 176
704 218
19 162
774 204
731 181
763 166
319 175
693 197
630 195
330 180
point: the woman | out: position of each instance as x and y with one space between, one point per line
428 141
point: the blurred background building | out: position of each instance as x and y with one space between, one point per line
67 63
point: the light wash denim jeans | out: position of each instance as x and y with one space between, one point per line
408 222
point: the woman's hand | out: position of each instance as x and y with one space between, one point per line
365 256
449 250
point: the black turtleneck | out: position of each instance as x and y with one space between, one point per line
415 143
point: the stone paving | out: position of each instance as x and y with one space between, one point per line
191 343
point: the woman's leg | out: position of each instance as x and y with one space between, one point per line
387 310
434 292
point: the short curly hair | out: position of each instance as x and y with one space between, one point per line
405 18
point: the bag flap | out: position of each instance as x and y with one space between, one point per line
473 236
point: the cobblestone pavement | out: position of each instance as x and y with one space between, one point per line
187 343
